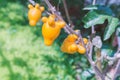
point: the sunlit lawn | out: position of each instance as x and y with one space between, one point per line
23 55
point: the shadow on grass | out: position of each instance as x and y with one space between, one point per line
19 62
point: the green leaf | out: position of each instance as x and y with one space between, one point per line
104 10
112 24
90 7
93 18
99 8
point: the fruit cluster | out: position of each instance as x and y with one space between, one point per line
70 46
51 29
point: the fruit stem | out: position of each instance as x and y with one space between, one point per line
67 14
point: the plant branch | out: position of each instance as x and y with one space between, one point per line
114 58
32 2
116 70
89 48
93 29
98 73
66 12
98 53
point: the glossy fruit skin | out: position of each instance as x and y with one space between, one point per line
72 38
34 14
85 40
51 29
50 33
81 49
69 46
72 48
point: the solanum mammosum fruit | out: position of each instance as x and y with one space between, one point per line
85 40
51 29
69 45
34 14
81 49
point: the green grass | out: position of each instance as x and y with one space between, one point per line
23 55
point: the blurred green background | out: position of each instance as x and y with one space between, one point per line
23 55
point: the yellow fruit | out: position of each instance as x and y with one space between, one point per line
81 49
72 48
72 37
69 46
50 33
85 40
60 23
34 14
51 29
44 19
51 20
